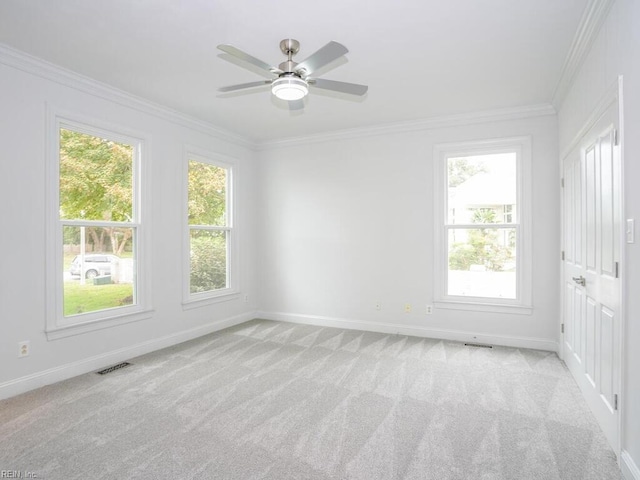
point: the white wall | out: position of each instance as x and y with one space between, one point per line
349 222
616 51
22 183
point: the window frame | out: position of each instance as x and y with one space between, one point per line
523 213
232 291
57 324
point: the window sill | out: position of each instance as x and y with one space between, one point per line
79 328
197 301
483 307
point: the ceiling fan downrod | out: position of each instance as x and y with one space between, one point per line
289 47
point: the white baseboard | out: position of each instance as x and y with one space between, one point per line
455 335
630 470
63 372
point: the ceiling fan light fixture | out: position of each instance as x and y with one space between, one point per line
290 80
289 88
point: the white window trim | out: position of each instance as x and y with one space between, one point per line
232 292
524 211
57 325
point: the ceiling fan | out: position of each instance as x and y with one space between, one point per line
292 80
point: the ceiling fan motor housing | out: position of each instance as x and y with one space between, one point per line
287 67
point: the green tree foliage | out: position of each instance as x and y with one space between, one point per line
459 170
482 247
484 215
96 177
207 206
208 261
207 194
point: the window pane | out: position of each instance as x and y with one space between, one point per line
482 262
207 194
99 279
482 189
208 260
96 178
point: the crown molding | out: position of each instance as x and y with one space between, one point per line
49 71
431 123
592 19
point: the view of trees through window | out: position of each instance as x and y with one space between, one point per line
482 225
209 229
96 215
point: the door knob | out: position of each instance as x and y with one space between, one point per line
580 280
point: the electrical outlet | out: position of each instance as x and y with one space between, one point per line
23 349
429 310
407 308
378 307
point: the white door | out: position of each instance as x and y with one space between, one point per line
591 284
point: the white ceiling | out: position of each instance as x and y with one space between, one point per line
420 58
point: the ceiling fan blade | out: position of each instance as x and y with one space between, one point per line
343 87
241 86
233 51
327 54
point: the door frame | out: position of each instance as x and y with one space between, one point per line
613 94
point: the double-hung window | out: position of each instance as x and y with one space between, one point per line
210 229
483 212
95 228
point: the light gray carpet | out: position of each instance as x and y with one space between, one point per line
269 400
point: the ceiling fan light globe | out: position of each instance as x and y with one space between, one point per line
289 88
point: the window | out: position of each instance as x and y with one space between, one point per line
95 229
210 232
483 209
